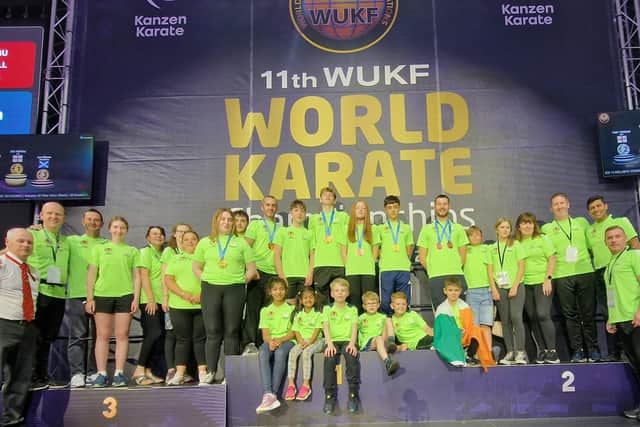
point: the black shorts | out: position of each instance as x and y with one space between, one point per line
296 284
111 305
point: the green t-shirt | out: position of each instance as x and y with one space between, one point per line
623 287
327 253
169 253
360 260
80 248
537 252
180 267
307 323
563 234
595 236
444 261
295 244
510 256
340 320
475 267
115 264
50 250
393 257
263 233
277 319
409 328
150 260
238 254
369 326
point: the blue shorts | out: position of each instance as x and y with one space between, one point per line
481 303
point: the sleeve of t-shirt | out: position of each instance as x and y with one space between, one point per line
198 254
144 258
635 262
422 237
252 232
547 246
490 249
584 224
280 236
295 326
166 255
170 270
325 314
626 225
264 323
94 257
354 313
419 318
136 257
519 251
460 238
247 250
486 254
375 236
409 236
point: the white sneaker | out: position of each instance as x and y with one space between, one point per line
77 381
250 349
269 403
206 379
176 380
521 358
508 359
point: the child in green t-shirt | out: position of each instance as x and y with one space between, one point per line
275 324
307 327
340 326
410 329
240 222
375 332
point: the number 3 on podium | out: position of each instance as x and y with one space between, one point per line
112 407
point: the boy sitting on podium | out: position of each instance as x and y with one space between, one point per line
411 331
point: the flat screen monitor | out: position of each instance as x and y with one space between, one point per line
46 167
619 140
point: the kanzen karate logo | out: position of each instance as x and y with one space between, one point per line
343 26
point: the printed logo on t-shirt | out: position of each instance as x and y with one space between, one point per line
108 251
84 243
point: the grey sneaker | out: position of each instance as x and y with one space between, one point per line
508 359
250 349
206 379
77 381
521 358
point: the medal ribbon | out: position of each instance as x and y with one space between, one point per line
223 252
395 236
271 233
327 228
360 236
446 231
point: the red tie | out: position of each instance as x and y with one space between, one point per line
27 298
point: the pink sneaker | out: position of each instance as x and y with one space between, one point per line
304 393
290 394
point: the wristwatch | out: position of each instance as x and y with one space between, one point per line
549 277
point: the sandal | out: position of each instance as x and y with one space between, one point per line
154 379
142 380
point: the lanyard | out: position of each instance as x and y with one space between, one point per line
612 264
567 235
446 231
360 236
395 236
271 233
501 257
327 228
223 252
54 249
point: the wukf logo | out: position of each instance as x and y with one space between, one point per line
343 26
149 27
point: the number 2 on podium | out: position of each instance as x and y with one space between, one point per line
567 385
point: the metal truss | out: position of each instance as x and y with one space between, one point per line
58 68
626 19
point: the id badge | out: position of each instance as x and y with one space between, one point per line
503 279
54 275
611 298
571 254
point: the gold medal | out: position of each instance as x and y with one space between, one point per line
222 264
360 252
271 246
450 245
328 239
439 246
396 248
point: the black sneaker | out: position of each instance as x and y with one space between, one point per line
329 404
552 357
57 384
391 347
38 384
542 357
391 366
632 413
352 405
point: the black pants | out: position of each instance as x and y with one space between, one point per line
18 343
49 314
189 331
222 317
613 340
358 285
630 338
322 278
152 348
353 369
256 297
538 308
577 298
170 343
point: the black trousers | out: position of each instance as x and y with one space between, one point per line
152 348
353 369
577 298
189 331
18 343
630 338
222 317
322 278
358 285
255 299
49 314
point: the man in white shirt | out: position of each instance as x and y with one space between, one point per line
18 332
